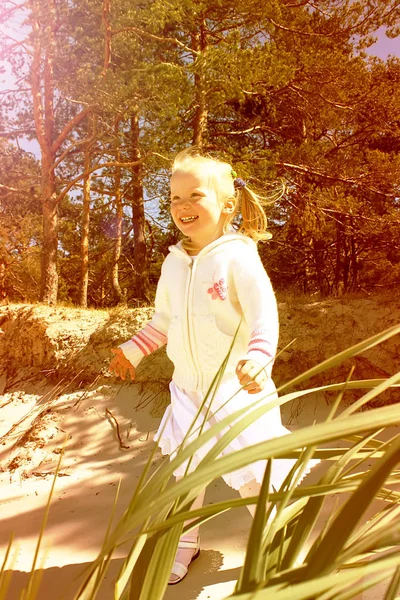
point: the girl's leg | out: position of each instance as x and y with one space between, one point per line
184 556
250 489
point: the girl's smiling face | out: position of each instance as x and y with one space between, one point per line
195 207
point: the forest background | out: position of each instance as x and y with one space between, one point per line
112 90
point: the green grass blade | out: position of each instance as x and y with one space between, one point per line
87 590
383 518
339 397
208 470
251 572
333 361
350 514
350 592
370 396
288 487
157 565
381 536
167 469
394 586
127 568
154 498
314 506
309 589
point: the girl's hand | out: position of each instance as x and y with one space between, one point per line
120 365
251 376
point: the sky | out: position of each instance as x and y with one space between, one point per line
385 46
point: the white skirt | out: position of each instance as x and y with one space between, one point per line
180 414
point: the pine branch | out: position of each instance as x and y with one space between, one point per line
294 88
10 191
158 38
16 132
334 33
349 181
92 170
5 92
69 127
68 150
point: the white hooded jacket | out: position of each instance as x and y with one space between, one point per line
200 304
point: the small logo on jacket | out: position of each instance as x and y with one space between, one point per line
218 290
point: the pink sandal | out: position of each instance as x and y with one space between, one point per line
180 569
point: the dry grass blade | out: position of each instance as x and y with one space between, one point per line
5 578
34 579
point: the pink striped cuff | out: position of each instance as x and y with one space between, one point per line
261 350
139 345
258 341
146 341
158 334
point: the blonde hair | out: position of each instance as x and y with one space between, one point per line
221 178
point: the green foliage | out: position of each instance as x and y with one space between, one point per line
20 224
277 88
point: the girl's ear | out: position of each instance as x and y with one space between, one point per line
229 206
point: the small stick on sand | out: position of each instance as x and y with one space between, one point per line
121 444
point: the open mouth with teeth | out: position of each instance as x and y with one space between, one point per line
188 219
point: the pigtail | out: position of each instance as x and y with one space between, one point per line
254 220
251 206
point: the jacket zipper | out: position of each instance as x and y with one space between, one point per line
189 300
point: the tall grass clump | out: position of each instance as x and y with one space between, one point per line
289 556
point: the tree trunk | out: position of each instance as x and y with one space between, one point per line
107 35
354 257
340 244
118 222
49 274
138 217
42 82
320 270
3 287
199 43
85 230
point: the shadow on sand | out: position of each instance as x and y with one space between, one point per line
62 583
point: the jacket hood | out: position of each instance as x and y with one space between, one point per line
227 238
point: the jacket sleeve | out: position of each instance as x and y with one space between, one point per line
154 334
260 312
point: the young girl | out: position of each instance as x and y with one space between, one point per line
210 282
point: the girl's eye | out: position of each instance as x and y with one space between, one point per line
194 196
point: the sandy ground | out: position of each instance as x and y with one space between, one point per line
92 465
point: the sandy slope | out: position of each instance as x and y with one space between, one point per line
36 420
